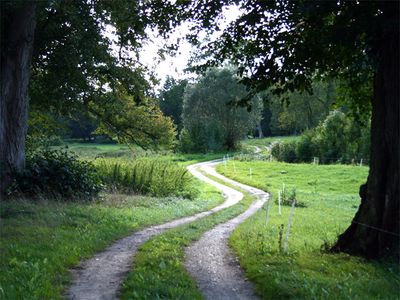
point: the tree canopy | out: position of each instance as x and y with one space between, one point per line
283 45
171 99
209 115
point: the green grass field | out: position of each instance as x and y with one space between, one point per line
307 270
92 150
40 241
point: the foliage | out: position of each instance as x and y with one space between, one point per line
92 43
171 99
186 143
141 124
145 176
338 138
300 111
56 173
284 151
44 130
82 126
40 241
288 196
306 272
70 36
283 44
210 118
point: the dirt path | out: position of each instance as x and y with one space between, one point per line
101 276
210 261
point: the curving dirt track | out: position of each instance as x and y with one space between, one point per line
210 261
101 276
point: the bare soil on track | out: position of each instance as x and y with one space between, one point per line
101 276
211 262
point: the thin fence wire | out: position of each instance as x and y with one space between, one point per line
312 160
377 228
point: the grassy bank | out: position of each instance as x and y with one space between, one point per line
40 241
307 271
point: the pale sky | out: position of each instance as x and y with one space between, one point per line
174 66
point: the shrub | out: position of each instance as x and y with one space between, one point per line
284 151
287 198
338 138
186 145
306 148
56 173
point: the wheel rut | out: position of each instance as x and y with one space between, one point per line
101 276
211 262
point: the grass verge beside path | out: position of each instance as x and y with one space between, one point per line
306 271
159 271
40 241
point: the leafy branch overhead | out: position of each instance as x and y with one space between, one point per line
130 122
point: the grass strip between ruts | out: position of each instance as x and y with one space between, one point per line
159 271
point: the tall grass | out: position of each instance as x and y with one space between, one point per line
144 176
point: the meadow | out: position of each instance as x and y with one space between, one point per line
41 239
307 270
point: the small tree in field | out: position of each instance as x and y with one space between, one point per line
210 118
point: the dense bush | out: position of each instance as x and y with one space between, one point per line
154 177
306 147
56 173
284 151
338 138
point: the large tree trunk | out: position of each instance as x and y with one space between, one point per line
374 231
16 54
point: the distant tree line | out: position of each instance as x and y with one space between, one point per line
207 118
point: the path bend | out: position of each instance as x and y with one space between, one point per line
101 276
211 262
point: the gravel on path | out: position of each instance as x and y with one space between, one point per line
212 263
101 276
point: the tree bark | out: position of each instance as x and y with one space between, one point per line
374 231
259 129
16 54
